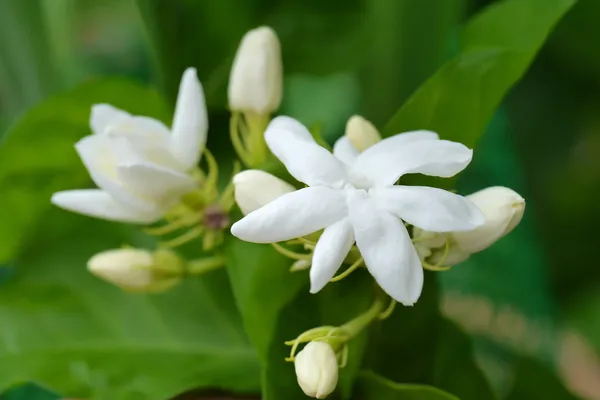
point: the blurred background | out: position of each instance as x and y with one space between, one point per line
532 301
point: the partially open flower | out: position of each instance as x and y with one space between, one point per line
317 369
256 80
137 270
142 167
503 209
255 188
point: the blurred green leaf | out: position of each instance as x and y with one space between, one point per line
29 392
534 381
373 386
407 41
37 156
427 349
26 67
65 329
497 47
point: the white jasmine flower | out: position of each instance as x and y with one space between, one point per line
140 166
255 188
317 369
137 270
256 80
352 196
361 133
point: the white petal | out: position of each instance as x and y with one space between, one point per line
387 249
104 115
384 164
429 208
154 182
190 123
292 125
304 159
100 155
344 151
331 250
292 215
100 204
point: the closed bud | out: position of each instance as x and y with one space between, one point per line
361 133
256 80
317 369
503 209
137 270
255 188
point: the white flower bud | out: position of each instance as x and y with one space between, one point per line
317 369
503 209
137 270
256 80
361 133
255 188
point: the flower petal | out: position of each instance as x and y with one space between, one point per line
98 203
190 123
254 188
387 249
292 215
100 155
105 115
304 158
155 182
384 164
344 151
331 250
292 125
429 208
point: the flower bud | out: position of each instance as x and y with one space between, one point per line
361 133
255 188
256 80
503 209
137 270
317 369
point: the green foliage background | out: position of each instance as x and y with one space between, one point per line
446 65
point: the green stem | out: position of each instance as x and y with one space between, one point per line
358 324
256 137
203 265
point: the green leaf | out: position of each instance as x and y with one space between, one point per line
536 381
63 328
427 349
407 42
38 158
29 392
498 45
373 386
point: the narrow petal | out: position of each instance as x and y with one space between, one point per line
105 115
383 165
428 208
292 215
304 159
387 249
190 123
98 203
154 182
344 151
331 250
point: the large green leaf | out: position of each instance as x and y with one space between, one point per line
373 386
37 156
84 338
533 380
497 47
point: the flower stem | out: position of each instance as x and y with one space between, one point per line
358 324
203 265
